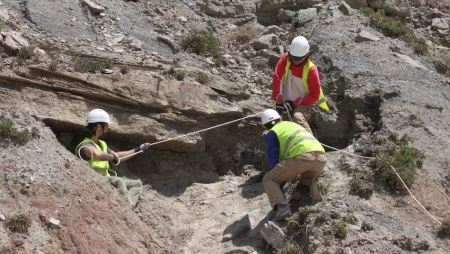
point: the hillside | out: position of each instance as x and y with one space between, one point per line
385 76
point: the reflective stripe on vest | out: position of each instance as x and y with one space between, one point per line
321 101
99 166
294 140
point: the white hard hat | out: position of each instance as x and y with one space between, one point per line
269 115
98 116
299 47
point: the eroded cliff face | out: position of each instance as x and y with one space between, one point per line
199 174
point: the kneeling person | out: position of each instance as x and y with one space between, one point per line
291 151
98 155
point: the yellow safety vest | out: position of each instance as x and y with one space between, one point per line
99 166
294 140
321 101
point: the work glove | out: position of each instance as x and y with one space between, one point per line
279 108
273 235
142 147
116 160
288 105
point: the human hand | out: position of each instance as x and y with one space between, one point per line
288 105
279 108
142 147
116 160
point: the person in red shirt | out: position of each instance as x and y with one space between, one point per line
296 84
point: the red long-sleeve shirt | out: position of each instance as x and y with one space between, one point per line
293 89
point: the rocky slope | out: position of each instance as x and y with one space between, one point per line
202 193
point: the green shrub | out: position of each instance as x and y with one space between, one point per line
393 28
444 231
404 159
202 78
323 217
180 75
19 223
53 64
85 65
340 229
7 131
202 42
366 226
124 69
362 185
289 248
6 128
298 219
26 52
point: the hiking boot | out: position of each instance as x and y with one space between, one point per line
314 189
283 211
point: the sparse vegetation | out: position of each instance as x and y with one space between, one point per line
19 223
203 43
124 69
8 131
86 65
260 64
366 226
26 52
53 64
298 219
444 231
404 159
289 248
340 229
180 75
201 78
323 216
243 35
393 28
362 184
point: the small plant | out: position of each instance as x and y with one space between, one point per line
289 248
6 128
324 188
19 223
444 231
124 69
202 42
393 28
34 132
53 64
180 75
87 65
323 217
26 52
244 35
404 159
201 78
362 185
7 131
366 226
298 219
259 64
340 229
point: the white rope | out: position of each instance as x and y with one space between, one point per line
195 132
404 184
290 118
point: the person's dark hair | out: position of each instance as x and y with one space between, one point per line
89 131
270 124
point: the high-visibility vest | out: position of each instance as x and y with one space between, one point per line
321 101
99 166
294 140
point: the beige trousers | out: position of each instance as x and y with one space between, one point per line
308 165
130 189
300 115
